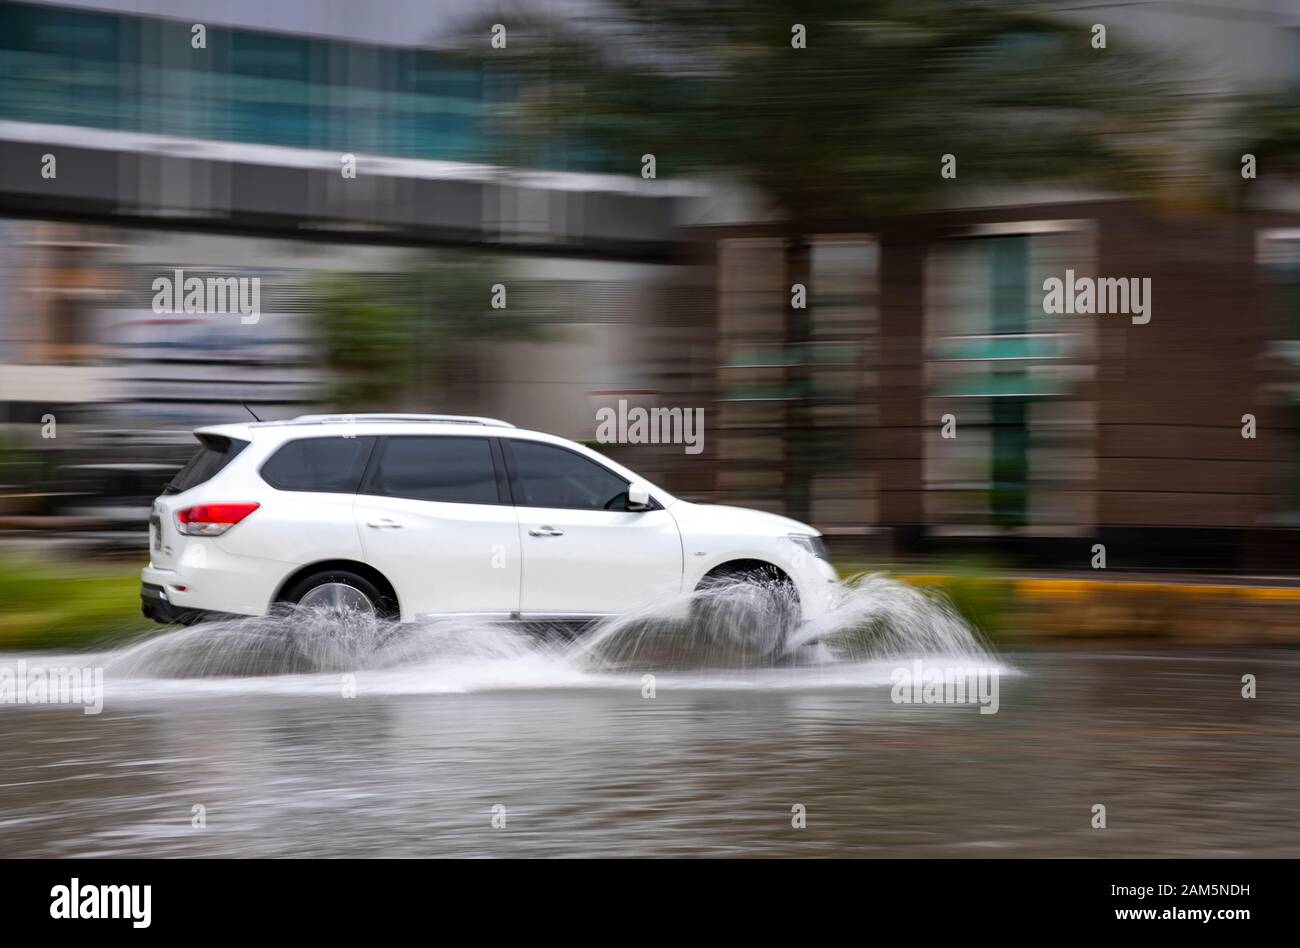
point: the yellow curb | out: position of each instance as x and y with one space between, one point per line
1078 588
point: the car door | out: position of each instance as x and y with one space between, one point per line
584 552
434 517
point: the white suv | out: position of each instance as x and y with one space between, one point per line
411 516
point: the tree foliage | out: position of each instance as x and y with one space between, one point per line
855 124
411 338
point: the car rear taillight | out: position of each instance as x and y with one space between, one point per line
211 520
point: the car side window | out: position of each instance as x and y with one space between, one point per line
326 465
549 476
441 468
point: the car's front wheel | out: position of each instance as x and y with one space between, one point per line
752 607
341 592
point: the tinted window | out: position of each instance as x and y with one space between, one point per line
548 476
215 454
328 465
448 469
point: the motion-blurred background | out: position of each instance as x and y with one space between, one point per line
648 183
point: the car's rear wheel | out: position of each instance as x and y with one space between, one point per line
341 592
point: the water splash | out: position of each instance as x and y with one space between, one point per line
737 626
875 617
729 625
293 640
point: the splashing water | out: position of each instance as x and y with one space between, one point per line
294 640
728 628
876 617
745 625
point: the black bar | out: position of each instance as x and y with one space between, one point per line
927 899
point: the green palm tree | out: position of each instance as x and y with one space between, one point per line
1268 127
847 132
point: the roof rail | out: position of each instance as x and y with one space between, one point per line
397 418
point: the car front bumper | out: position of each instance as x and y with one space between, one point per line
817 583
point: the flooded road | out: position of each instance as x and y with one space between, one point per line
474 742
1182 763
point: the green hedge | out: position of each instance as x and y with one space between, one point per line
64 606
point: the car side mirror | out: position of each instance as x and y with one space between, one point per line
638 497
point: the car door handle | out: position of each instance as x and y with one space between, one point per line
545 532
384 523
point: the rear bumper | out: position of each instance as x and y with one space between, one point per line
155 605
211 583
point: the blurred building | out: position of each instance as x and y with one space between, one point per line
1066 430
1069 430
247 135
225 159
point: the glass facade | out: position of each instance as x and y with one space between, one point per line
1014 378
111 71
1279 257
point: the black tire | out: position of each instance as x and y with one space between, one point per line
380 601
763 614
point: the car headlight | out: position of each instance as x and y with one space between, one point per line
813 543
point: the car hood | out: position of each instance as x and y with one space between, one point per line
719 515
